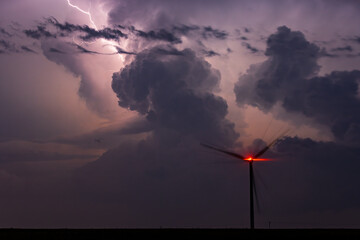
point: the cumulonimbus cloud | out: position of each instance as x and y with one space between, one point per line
174 90
289 77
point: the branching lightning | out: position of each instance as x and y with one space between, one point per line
107 42
85 12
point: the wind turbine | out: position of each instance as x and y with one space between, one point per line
250 159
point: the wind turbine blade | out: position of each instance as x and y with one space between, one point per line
265 149
256 197
260 179
269 146
223 151
224 162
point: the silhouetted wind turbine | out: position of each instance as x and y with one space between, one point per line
250 160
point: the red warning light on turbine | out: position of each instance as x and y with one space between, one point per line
250 159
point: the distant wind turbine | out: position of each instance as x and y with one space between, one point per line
250 159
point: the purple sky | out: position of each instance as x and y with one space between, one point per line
104 105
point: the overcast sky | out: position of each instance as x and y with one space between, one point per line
104 105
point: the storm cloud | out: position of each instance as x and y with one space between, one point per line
90 34
290 78
127 152
321 175
325 173
250 48
173 89
69 55
171 34
10 47
39 32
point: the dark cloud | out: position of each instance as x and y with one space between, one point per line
84 50
325 53
11 47
205 51
167 174
4 32
152 182
187 186
210 53
122 51
76 48
67 29
8 46
32 33
160 35
174 91
72 48
322 176
155 184
345 51
251 48
90 33
330 100
39 32
291 60
339 52
69 54
185 29
171 34
209 32
289 77
247 30
347 48
106 33
356 39
4 44
27 49
168 50
54 50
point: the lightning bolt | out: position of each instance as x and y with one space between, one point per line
85 12
107 42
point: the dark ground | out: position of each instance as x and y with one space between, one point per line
9 234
